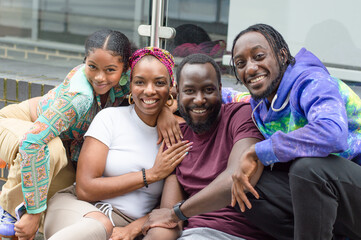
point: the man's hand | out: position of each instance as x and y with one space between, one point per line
163 217
241 179
26 228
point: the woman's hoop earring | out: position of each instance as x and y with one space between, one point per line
130 99
171 96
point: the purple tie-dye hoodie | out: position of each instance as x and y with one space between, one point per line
312 115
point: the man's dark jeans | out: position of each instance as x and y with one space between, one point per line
309 198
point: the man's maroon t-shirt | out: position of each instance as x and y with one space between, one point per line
208 158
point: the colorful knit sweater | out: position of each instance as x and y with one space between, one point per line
66 112
312 115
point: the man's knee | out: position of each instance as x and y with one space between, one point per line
302 166
312 167
309 167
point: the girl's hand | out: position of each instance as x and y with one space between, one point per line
167 160
27 226
168 128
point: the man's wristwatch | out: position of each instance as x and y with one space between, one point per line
178 212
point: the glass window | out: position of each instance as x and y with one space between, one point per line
71 21
201 27
55 30
330 31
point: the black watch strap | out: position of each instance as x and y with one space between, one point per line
178 212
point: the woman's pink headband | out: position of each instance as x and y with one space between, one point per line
162 55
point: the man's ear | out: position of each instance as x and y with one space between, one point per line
283 56
220 87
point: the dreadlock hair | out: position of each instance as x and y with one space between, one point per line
198 58
110 40
274 39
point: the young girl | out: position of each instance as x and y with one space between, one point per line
120 166
43 124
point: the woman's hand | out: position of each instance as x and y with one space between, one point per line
129 232
167 160
123 233
168 128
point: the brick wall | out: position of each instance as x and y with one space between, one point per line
14 91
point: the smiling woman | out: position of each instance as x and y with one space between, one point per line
150 88
51 130
121 168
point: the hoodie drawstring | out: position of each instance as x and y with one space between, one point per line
283 105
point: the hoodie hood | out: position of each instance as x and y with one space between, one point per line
306 63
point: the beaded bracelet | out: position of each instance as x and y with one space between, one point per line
144 178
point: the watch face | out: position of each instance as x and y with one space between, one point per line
178 204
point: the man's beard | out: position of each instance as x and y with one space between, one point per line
204 126
270 90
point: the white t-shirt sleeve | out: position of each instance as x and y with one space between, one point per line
101 128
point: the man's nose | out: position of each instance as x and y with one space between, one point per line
251 68
199 99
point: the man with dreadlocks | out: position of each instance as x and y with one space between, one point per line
309 188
